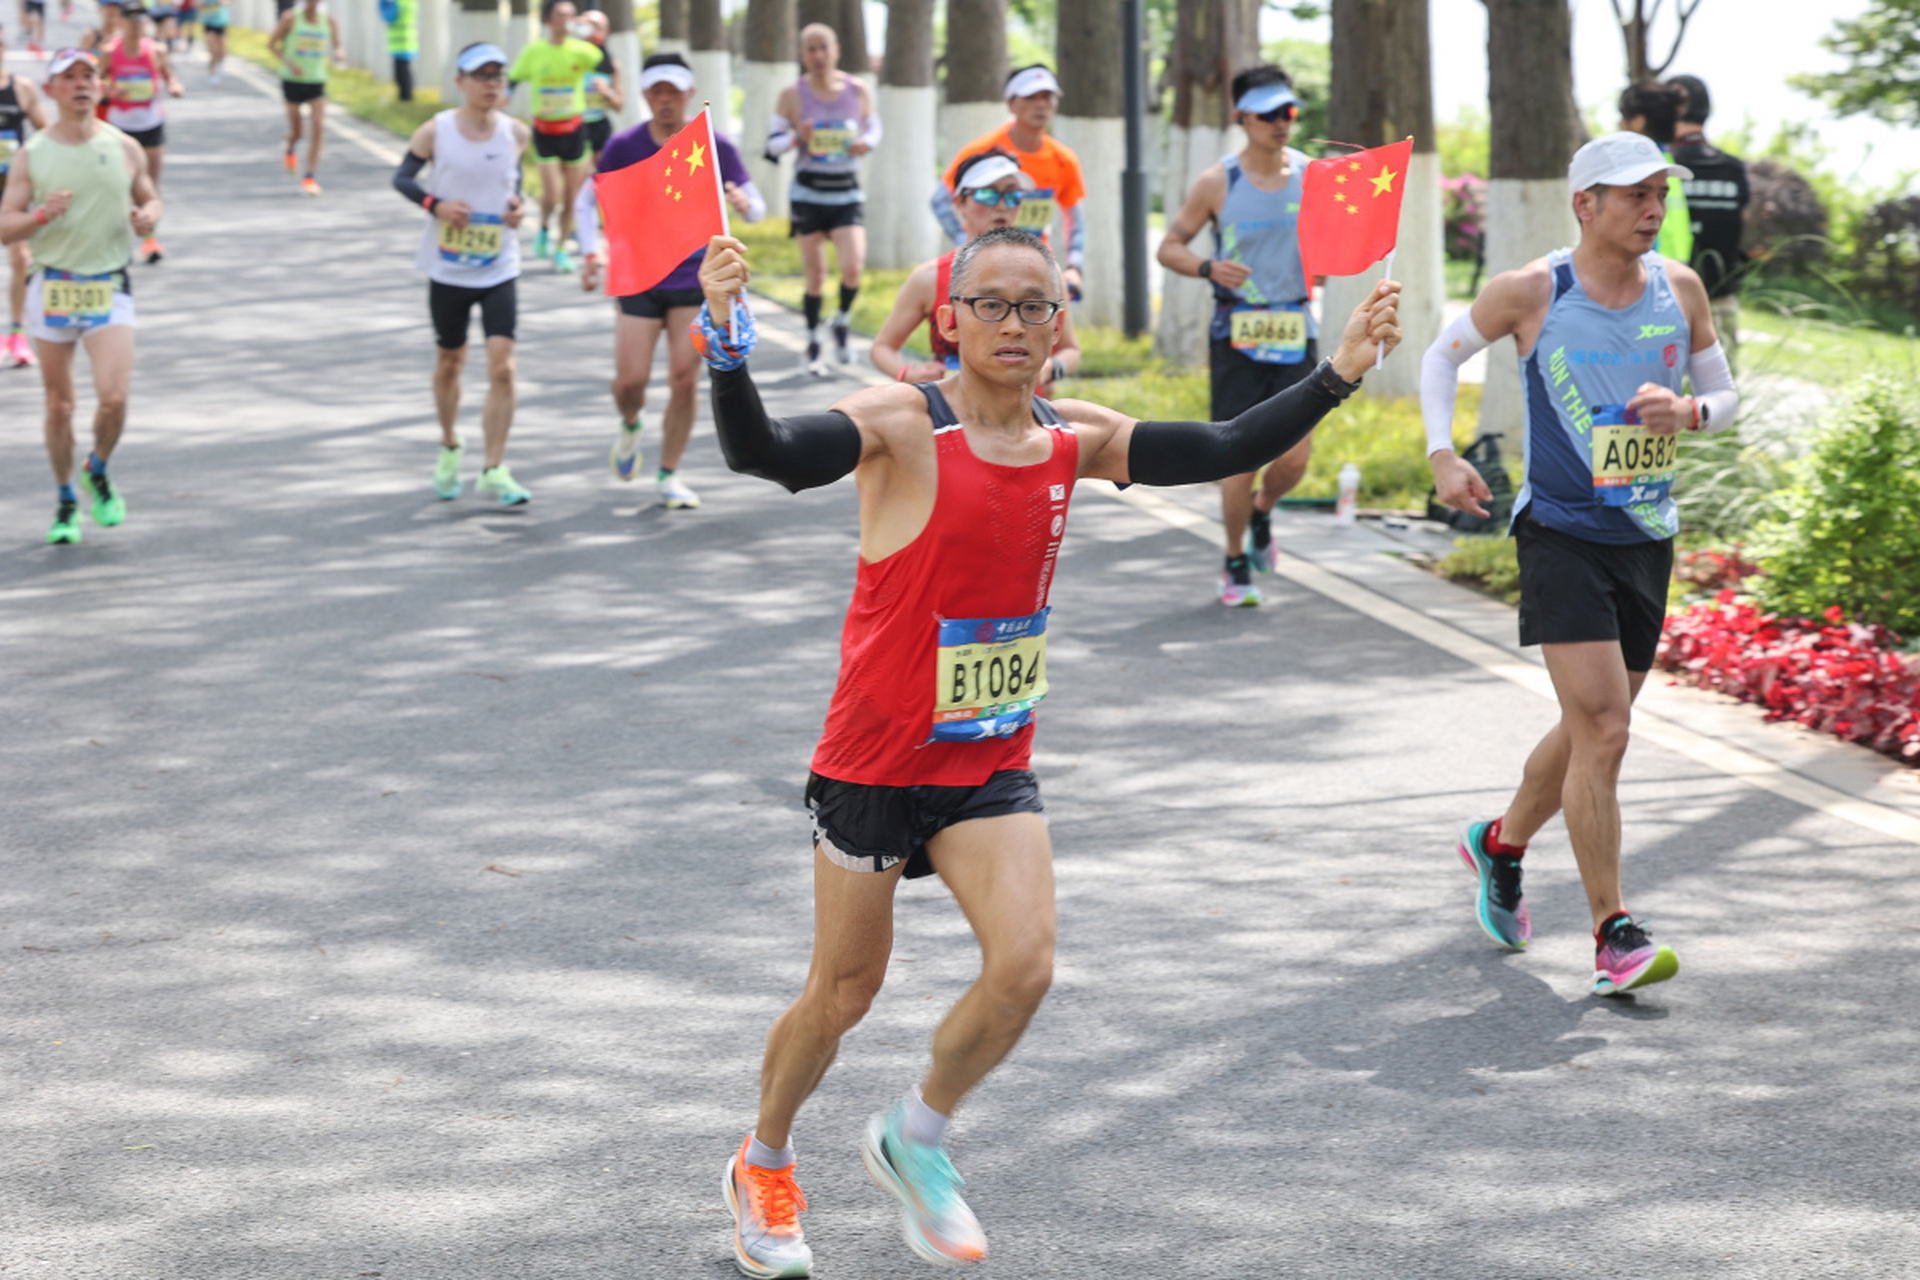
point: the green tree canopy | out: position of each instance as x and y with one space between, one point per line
1882 79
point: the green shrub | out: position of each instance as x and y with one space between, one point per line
1847 532
1492 564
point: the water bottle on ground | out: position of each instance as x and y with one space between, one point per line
1349 503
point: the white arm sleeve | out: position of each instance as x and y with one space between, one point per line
586 219
780 139
1440 378
1713 390
870 130
756 203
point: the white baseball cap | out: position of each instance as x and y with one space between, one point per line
1620 160
476 56
1031 80
672 73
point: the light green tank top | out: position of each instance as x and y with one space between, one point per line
308 47
94 235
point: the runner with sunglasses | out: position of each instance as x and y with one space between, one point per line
924 766
1263 337
992 189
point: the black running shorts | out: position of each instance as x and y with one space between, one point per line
566 148
655 303
1573 591
1239 383
819 219
150 138
872 828
452 305
295 92
599 134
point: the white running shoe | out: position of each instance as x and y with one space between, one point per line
766 1204
675 495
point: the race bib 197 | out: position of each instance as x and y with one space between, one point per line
475 245
1631 465
1270 334
71 301
1036 212
989 674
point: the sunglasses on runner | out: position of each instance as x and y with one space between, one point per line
994 310
1285 111
993 197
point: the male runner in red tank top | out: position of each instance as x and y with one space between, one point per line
964 486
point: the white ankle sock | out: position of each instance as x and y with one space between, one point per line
923 1124
762 1156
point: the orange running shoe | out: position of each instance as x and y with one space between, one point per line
766 1204
293 166
308 185
150 250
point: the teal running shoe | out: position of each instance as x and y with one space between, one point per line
1501 910
500 482
542 245
1625 957
562 261
109 508
936 1221
66 525
446 472
624 458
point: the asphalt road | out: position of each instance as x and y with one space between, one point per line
403 888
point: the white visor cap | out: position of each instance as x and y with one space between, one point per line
667 73
988 170
1620 160
1025 84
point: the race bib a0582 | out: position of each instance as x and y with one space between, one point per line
1631 465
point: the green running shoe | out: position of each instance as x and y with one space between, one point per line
446 472
500 482
66 524
542 245
562 261
109 508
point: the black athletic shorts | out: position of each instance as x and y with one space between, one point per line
812 219
37 7
296 92
599 134
214 28
567 148
1239 383
1573 590
451 306
150 138
870 828
655 303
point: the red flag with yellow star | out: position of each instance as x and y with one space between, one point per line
1350 209
661 210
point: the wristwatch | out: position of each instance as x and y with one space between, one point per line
1206 269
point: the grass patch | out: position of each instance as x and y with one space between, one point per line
359 92
1815 345
777 275
1491 564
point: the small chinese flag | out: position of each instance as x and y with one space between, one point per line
662 210
1350 209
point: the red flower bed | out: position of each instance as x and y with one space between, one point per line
1841 678
1713 570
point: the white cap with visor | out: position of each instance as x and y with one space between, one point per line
1620 160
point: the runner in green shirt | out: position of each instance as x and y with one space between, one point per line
302 42
558 67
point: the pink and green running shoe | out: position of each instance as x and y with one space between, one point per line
1499 906
1626 958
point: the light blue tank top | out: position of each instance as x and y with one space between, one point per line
1590 360
1260 229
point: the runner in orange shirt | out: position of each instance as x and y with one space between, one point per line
1033 96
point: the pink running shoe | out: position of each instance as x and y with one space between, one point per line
20 351
1626 958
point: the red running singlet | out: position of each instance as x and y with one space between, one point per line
987 555
943 351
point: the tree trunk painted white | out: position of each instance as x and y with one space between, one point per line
1526 219
1101 143
898 177
627 55
761 83
713 83
680 47
359 24
961 123
433 67
1186 304
471 26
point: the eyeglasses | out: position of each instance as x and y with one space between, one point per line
994 310
993 197
486 77
1285 111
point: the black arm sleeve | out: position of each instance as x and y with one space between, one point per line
406 179
1192 452
802 452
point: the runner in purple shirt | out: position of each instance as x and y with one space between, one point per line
667 84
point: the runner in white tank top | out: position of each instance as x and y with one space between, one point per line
470 252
